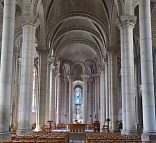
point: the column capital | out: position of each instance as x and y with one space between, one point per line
102 66
50 60
84 76
126 21
40 50
70 76
30 20
96 75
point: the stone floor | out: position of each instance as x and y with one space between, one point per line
77 137
76 141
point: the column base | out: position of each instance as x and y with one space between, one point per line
112 130
149 137
129 132
23 132
37 129
5 136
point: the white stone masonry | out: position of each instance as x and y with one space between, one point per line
6 67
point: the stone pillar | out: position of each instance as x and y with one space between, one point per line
43 63
147 79
102 98
15 93
126 25
122 80
154 63
97 95
109 82
58 108
85 110
37 105
18 88
106 90
1 26
52 94
114 97
6 67
26 83
47 90
61 103
90 100
70 99
136 89
65 110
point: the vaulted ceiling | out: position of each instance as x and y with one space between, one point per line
78 30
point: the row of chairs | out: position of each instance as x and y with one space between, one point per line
40 137
112 138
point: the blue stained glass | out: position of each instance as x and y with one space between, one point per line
78 95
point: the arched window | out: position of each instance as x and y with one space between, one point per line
78 95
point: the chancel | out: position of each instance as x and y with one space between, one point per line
78 71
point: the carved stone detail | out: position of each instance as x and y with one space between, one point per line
126 21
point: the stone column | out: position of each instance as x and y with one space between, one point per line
109 82
47 90
58 108
37 105
52 94
126 25
65 110
90 100
15 93
97 94
102 98
26 83
70 99
136 89
122 80
147 79
61 103
106 90
85 110
154 63
43 63
6 67
114 97
1 26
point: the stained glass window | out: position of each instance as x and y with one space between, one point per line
77 95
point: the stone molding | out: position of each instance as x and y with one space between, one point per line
77 14
126 21
82 28
50 60
76 40
30 20
84 76
40 50
96 75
